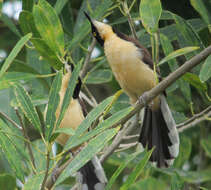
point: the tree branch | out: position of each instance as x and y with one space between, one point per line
197 118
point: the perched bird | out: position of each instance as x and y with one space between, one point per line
132 67
91 175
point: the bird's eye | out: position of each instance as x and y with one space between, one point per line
94 34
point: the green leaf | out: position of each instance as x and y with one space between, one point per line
206 144
203 9
53 104
177 182
48 24
27 24
10 78
8 22
87 153
34 182
168 48
123 165
101 127
177 53
137 171
27 107
195 81
68 131
184 151
149 183
7 181
47 53
205 72
99 76
11 153
59 6
150 14
86 123
27 5
69 92
14 53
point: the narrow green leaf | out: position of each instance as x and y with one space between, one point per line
69 92
34 183
99 76
10 78
11 153
27 107
168 48
206 144
184 153
123 165
137 171
14 53
59 6
27 5
101 127
47 53
87 153
68 131
27 24
48 24
177 53
150 14
7 181
8 22
53 104
205 72
90 118
177 182
203 9
194 80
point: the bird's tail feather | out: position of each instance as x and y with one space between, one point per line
91 176
159 131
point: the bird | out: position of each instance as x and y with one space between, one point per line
132 66
91 176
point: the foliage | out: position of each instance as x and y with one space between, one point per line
51 33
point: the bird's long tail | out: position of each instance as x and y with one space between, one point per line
159 131
91 176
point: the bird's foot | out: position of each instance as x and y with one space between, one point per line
143 99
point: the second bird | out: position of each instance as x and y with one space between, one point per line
132 67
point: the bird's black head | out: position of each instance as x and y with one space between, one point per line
95 30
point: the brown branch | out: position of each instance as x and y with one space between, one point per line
87 59
197 118
28 140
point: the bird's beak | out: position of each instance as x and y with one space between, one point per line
88 17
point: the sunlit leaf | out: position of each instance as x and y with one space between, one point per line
205 72
53 104
177 53
25 103
34 182
48 24
14 53
150 14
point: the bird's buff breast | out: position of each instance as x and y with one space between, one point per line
133 75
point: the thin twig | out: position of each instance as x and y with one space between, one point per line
130 137
10 120
87 59
28 144
202 113
90 95
86 99
118 139
195 121
47 169
125 146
